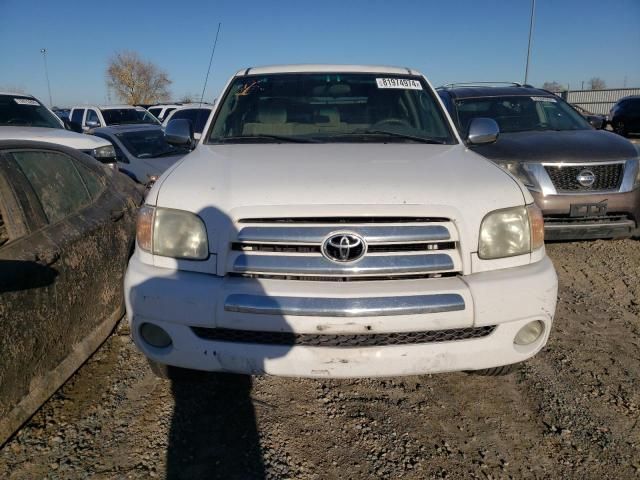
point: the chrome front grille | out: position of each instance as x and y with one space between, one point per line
293 249
606 177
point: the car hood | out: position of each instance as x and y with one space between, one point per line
160 164
59 136
337 180
563 146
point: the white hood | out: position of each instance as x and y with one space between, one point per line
224 183
60 136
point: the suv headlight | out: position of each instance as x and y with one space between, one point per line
511 231
104 152
172 233
520 171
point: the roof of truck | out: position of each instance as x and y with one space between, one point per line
320 68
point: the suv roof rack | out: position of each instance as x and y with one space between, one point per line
484 84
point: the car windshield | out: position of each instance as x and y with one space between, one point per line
121 116
17 111
521 113
148 144
330 107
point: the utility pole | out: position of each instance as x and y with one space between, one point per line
582 86
526 70
43 51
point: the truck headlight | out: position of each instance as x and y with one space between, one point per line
105 152
172 233
511 231
520 171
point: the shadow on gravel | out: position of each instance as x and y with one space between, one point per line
213 431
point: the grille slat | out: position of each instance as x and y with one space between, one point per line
607 177
341 341
395 247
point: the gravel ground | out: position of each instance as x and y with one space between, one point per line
571 412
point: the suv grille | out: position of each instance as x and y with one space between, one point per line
395 248
607 177
345 341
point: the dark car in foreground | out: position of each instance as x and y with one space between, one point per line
66 233
141 150
586 181
624 116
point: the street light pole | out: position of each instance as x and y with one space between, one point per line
43 51
526 70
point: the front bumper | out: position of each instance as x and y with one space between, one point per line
177 301
622 219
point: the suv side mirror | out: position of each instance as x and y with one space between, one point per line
596 122
72 126
179 132
482 131
92 124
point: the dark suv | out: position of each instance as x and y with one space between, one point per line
586 181
624 116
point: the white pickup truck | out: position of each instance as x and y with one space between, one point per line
332 223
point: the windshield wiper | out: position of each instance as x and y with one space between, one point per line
392 134
280 138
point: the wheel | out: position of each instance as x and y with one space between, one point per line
496 371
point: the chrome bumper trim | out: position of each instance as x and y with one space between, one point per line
372 234
344 307
316 265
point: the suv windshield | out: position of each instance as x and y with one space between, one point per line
330 107
521 113
120 116
148 144
17 111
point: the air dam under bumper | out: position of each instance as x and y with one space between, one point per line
177 301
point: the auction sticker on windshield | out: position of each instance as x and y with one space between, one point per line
26 101
405 83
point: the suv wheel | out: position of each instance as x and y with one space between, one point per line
620 130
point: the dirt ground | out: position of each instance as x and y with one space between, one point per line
573 411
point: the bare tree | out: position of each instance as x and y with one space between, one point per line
135 80
189 98
596 83
554 87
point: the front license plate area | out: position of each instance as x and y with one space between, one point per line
588 209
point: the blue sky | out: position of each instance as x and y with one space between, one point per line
448 40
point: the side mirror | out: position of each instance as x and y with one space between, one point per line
596 122
92 124
179 133
72 126
482 131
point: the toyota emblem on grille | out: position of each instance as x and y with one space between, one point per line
344 247
586 178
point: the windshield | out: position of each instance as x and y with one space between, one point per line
148 144
120 116
521 113
16 111
330 108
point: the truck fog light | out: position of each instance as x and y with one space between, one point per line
529 333
154 335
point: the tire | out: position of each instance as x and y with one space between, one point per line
496 371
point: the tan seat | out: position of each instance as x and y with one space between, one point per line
270 119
